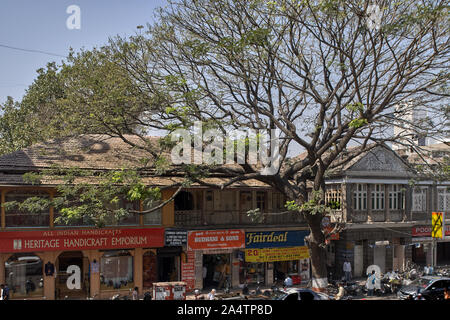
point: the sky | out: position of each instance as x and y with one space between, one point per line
40 25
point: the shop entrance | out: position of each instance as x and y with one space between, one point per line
167 270
216 270
71 280
443 253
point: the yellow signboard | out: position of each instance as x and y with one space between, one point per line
437 219
276 254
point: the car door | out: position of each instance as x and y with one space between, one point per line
435 291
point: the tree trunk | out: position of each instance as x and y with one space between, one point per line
318 253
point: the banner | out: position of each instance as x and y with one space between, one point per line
174 238
425 231
437 225
275 239
188 270
80 239
276 254
216 239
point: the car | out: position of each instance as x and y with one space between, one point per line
429 287
302 294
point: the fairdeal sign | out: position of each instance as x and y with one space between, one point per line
275 239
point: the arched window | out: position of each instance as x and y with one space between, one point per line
116 270
24 276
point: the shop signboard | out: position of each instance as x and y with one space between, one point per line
188 270
425 231
80 239
276 254
216 239
174 237
275 239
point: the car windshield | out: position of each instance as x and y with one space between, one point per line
421 282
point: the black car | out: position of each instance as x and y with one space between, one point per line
430 287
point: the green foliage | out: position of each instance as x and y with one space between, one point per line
357 123
97 197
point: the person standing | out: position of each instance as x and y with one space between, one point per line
347 270
212 294
288 282
5 292
370 283
135 294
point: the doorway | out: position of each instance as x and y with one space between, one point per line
379 257
71 280
216 270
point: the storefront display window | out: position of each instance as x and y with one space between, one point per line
116 270
252 273
23 275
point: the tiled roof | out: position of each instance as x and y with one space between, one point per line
86 151
97 152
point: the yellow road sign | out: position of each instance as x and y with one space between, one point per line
437 224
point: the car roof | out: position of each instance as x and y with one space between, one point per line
295 290
435 278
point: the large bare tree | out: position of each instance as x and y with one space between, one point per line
326 74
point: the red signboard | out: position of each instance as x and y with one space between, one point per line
216 239
425 231
80 239
188 270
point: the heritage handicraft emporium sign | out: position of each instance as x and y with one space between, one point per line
80 239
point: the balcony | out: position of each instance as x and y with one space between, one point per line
378 216
396 216
195 218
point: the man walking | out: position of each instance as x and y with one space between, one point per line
347 270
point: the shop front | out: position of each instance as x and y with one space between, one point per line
270 256
77 263
424 248
212 258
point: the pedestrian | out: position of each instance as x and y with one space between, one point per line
347 270
288 281
135 294
1 291
370 283
341 292
212 294
5 292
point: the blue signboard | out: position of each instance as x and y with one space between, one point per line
275 239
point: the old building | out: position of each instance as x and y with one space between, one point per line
204 237
387 206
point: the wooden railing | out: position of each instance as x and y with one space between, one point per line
220 218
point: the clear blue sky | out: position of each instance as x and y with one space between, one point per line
41 25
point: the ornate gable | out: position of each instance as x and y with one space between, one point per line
380 159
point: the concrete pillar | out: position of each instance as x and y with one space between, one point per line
3 258
94 275
235 269
49 281
138 269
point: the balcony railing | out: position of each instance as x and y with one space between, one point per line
217 218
